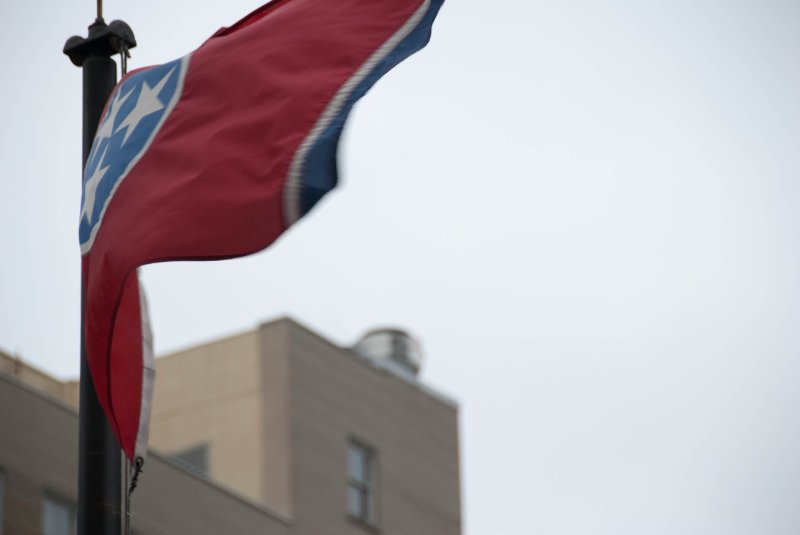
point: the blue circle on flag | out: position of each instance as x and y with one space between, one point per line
135 112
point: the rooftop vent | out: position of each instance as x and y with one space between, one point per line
392 348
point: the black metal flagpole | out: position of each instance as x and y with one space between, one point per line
99 458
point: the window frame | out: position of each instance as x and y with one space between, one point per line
68 505
185 459
366 487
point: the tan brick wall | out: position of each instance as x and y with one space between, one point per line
38 455
277 407
212 394
16 367
277 452
335 396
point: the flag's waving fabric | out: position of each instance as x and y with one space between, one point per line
214 155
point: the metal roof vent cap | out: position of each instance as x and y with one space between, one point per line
392 348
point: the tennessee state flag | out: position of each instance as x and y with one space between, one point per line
213 156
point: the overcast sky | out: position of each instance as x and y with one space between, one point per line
587 211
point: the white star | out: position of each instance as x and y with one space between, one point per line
90 187
147 103
107 128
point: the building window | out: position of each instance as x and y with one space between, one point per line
58 517
361 482
194 459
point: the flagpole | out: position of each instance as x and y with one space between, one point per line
99 458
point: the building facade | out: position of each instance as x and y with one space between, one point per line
305 436
38 479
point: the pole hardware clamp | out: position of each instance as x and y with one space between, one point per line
104 40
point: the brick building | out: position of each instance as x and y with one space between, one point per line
272 431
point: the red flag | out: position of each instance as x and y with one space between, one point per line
214 155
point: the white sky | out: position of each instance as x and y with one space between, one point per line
586 210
